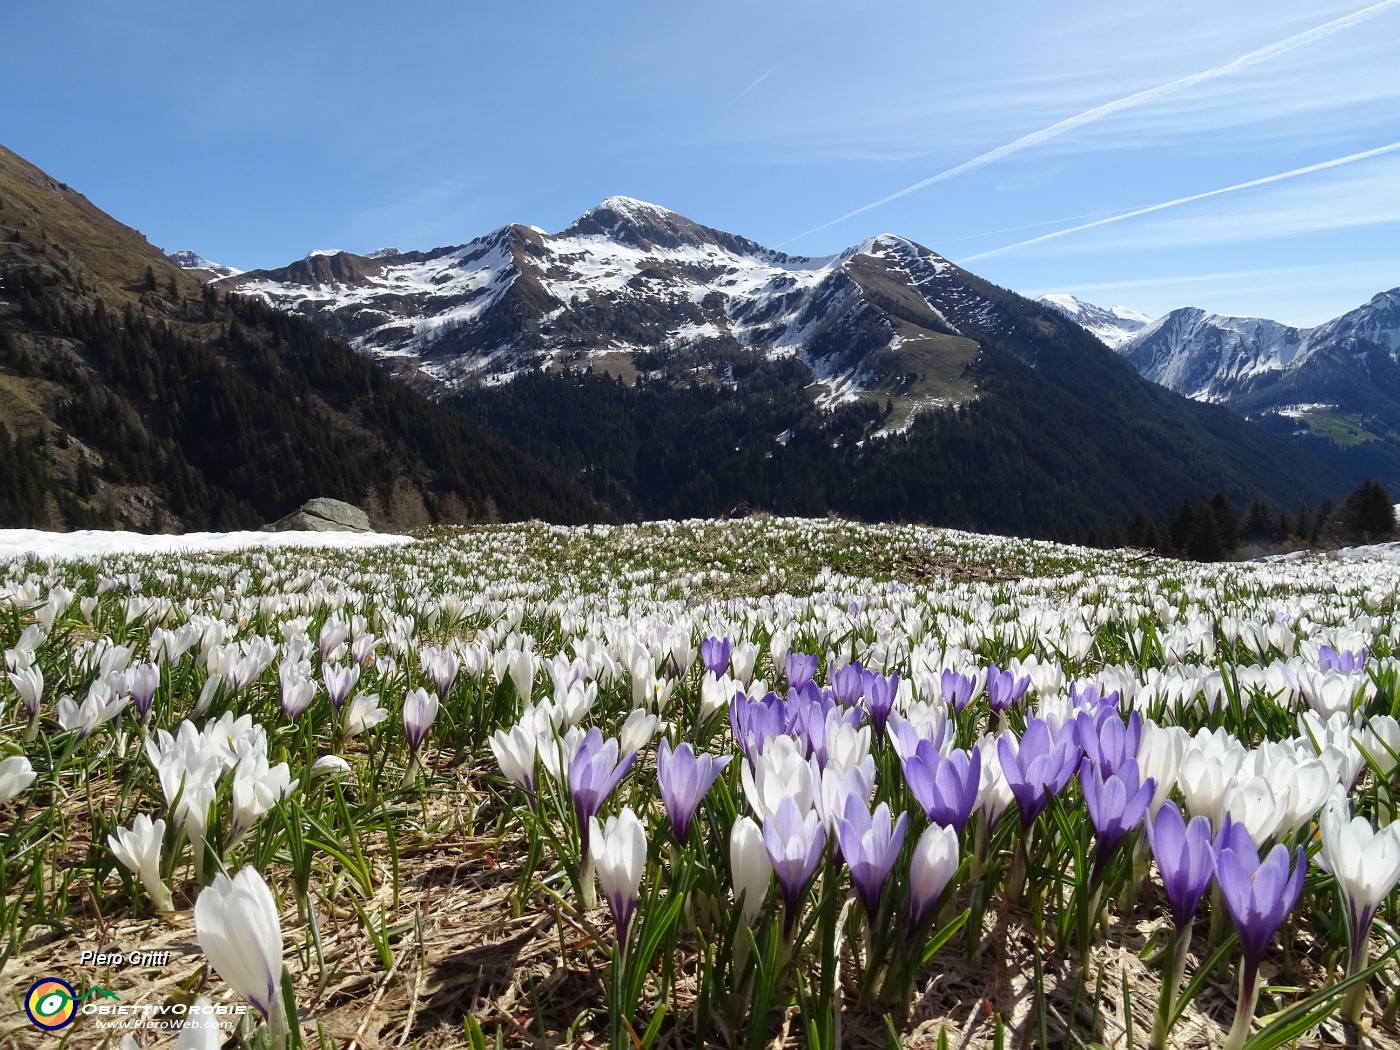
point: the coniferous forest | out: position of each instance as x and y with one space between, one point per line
237 429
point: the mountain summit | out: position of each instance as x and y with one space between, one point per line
1338 383
628 278
1113 325
883 380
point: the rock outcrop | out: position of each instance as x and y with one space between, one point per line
323 515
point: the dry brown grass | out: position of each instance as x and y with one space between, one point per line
462 946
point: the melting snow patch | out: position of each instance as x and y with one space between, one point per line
93 543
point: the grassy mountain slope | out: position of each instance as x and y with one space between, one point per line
132 394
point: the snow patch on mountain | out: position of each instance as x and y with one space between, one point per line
1213 357
1113 325
627 276
188 260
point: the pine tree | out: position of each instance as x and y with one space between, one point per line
1366 515
1205 542
1257 522
1226 521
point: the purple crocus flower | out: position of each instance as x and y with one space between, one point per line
1106 741
420 708
957 689
1116 803
833 718
849 682
905 735
800 669
1036 767
871 844
754 721
684 777
1004 689
946 788
1344 662
714 654
880 692
1087 697
1258 895
1185 857
804 717
794 843
593 774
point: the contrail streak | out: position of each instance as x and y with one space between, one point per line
764 77
1089 116
1337 162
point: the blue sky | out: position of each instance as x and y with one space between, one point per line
257 131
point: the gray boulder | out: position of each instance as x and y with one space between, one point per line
322 515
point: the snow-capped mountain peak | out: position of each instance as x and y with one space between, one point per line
1112 326
629 277
1263 366
1376 322
189 260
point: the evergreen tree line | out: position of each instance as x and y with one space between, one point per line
1030 455
1214 530
235 414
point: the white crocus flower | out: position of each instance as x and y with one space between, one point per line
257 787
994 795
28 681
1366 864
240 932
715 695
619 851
99 707
751 869
935 862
515 753
332 766
521 666
138 847
16 774
1160 754
363 712
1256 805
742 659
637 731
201 1030
779 772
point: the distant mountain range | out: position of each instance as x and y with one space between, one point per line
1113 325
887 341
886 317
1337 383
656 367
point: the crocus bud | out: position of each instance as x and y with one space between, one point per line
620 857
750 867
934 863
420 707
240 932
138 847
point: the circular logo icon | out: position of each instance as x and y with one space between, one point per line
50 1003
